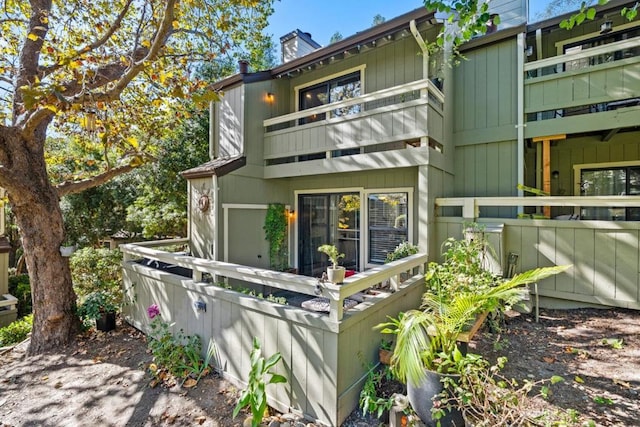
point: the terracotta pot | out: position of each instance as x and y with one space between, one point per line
385 356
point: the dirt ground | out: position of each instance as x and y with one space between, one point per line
101 379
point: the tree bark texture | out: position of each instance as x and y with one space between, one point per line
36 206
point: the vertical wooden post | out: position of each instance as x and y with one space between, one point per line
546 165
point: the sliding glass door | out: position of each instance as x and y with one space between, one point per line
328 219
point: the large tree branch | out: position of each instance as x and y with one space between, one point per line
30 54
94 45
164 31
73 187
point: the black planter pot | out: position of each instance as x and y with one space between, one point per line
106 322
421 399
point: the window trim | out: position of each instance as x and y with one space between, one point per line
577 172
364 218
298 88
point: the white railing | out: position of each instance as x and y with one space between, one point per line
9 301
422 85
471 205
587 53
301 284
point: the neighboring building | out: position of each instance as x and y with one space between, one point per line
365 175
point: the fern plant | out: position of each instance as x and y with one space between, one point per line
426 338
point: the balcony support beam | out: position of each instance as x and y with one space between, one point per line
546 165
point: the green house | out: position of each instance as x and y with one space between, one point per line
369 142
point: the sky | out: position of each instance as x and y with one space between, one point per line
322 18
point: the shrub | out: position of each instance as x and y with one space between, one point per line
97 270
179 354
403 250
20 288
97 303
16 332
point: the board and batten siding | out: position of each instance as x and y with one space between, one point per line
229 118
487 170
201 224
605 257
388 64
324 362
485 95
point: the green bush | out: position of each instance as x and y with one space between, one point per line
16 332
20 288
95 270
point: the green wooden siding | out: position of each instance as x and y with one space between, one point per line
604 255
485 94
388 64
487 170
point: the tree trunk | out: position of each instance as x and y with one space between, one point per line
36 207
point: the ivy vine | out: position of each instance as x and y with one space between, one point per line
275 227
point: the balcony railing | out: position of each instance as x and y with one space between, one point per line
398 115
286 281
472 206
596 80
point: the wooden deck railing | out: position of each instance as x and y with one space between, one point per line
471 205
423 85
286 281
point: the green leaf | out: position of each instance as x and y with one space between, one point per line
277 378
556 379
591 13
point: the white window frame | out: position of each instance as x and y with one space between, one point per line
365 217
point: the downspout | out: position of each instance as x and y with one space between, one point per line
520 126
423 47
212 123
425 208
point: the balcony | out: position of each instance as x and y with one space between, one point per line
389 130
595 89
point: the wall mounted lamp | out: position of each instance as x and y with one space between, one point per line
555 174
270 97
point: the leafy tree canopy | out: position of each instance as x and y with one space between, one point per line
108 79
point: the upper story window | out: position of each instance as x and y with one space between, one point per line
601 40
330 91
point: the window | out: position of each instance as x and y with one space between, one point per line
387 223
624 180
335 90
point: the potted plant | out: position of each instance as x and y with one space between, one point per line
426 349
101 307
335 272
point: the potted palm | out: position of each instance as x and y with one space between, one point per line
426 348
101 307
335 272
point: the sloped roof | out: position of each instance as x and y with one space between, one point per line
218 167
